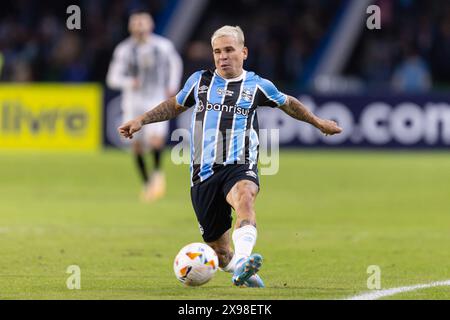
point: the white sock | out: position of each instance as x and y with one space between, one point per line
244 240
231 265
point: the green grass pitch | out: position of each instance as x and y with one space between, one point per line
322 220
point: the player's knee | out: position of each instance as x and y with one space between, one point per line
137 148
157 142
246 201
248 193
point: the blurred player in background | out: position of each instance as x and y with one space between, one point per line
147 69
224 148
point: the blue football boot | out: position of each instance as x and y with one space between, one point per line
254 281
246 268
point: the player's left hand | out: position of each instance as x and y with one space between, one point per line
329 127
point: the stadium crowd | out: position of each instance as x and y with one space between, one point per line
410 52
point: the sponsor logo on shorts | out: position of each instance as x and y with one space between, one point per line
251 174
201 229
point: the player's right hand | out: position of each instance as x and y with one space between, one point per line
129 128
329 127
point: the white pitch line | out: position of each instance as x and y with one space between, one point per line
377 294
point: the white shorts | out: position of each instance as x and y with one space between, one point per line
158 129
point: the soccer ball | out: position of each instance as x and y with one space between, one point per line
195 264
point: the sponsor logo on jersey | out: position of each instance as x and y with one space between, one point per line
203 89
200 106
222 108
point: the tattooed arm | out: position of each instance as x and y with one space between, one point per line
298 111
164 111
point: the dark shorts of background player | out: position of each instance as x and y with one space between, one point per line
209 199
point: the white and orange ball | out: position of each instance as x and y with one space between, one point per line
195 264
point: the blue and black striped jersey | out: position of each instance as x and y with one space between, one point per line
224 125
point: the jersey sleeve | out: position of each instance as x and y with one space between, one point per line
186 96
175 69
270 95
116 77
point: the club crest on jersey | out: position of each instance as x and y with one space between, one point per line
222 92
203 89
247 95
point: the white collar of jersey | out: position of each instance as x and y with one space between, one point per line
238 78
146 40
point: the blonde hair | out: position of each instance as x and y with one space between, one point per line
235 32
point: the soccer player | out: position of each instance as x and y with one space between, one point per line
224 148
148 70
